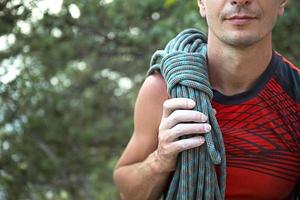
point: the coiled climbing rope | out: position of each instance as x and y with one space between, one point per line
183 64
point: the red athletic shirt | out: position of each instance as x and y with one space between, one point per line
261 130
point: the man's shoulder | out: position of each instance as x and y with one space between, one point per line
155 85
289 64
288 76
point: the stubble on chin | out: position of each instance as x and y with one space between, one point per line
239 41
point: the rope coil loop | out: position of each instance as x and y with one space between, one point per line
183 64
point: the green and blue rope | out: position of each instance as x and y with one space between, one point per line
183 64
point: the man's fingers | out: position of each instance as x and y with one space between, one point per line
215 111
179 116
184 144
187 129
177 104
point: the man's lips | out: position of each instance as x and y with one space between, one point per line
240 19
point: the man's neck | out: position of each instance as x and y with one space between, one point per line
233 70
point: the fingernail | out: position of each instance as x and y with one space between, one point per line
191 103
202 139
207 127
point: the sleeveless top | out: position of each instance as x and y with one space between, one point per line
261 130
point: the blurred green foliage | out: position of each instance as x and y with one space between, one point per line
67 114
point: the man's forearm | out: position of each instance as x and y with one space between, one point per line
141 180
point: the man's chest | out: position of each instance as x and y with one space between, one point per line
262 150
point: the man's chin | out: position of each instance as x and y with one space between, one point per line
240 41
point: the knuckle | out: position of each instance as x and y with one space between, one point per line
163 137
160 128
176 113
166 104
162 124
168 121
176 148
160 138
164 151
173 119
169 137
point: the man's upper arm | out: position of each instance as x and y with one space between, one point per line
147 117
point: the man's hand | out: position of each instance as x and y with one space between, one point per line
178 119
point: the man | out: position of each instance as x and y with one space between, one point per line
257 99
